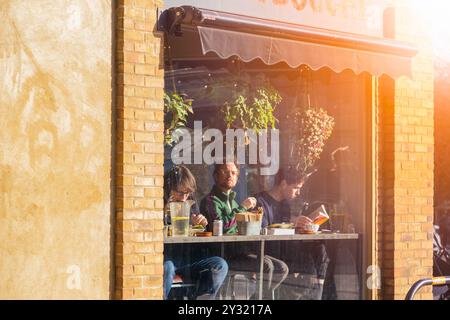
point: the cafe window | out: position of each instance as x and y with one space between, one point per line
337 176
296 214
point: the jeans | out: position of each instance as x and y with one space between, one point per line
216 269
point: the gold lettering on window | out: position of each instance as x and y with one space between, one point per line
299 4
279 2
316 5
331 7
347 9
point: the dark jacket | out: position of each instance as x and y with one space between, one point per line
274 211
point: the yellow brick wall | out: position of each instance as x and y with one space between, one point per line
405 184
139 151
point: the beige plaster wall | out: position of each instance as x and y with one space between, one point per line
55 149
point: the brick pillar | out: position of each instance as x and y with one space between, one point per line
406 168
139 151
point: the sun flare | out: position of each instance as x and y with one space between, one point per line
436 14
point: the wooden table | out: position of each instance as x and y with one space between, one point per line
261 239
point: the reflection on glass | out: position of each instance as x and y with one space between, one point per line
328 269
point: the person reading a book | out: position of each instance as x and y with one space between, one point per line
306 260
275 202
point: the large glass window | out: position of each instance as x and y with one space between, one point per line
327 268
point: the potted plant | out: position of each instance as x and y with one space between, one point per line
252 110
316 127
176 111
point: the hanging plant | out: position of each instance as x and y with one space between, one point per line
254 111
176 111
316 127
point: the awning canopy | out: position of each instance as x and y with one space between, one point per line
250 38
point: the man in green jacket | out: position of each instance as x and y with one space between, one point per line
220 203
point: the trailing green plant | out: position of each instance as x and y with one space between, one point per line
252 110
176 111
316 127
